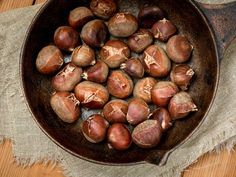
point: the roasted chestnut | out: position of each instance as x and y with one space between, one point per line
138 111
97 73
163 116
147 134
94 128
156 63
66 106
91 95
133 67
66 38
181 105
119 137
49 60
149 15
79 17
83 56
122 25
67 78
140 40
179 49
103 8
163 30
114 52
115 111
143 87
119 84
94 33
181 75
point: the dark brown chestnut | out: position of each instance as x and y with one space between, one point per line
94 33
133 67
66 106
91 95
67 78
83 56
66 38
156 63
79 17
179 49
49 60
181 105
122 25
119 137
97 73
149 15
119 84
114 52
181 75
138 111
115 111
163 30
162 92
94 128
140 40
143 87
103 8
147 134
163 116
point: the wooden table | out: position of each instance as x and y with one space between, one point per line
209 165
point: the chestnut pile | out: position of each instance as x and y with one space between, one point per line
115 66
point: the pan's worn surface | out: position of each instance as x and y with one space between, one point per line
210 34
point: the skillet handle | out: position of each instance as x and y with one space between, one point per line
222 19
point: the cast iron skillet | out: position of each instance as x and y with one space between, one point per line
210 28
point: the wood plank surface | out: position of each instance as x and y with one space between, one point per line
12 4
39 1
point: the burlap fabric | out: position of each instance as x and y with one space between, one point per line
30 144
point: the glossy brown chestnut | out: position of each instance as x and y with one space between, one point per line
83 56
163 30
79 17
162 92
181 75
138 111
103 8
66 38
119 84
115 111
66 106
119 137
133 67
143 87
163 116
49 60
155 61
149 15
114 52
181 105
140 40
67 78
147 134
179 49
91 95
97 73
122 25
94 33
95 128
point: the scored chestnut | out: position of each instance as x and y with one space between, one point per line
114 52
133 67
66 106
115 111
103 8
119 84
91 95
66 38
163 116
49 60
119 137
94 128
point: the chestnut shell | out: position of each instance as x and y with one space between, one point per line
103 8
